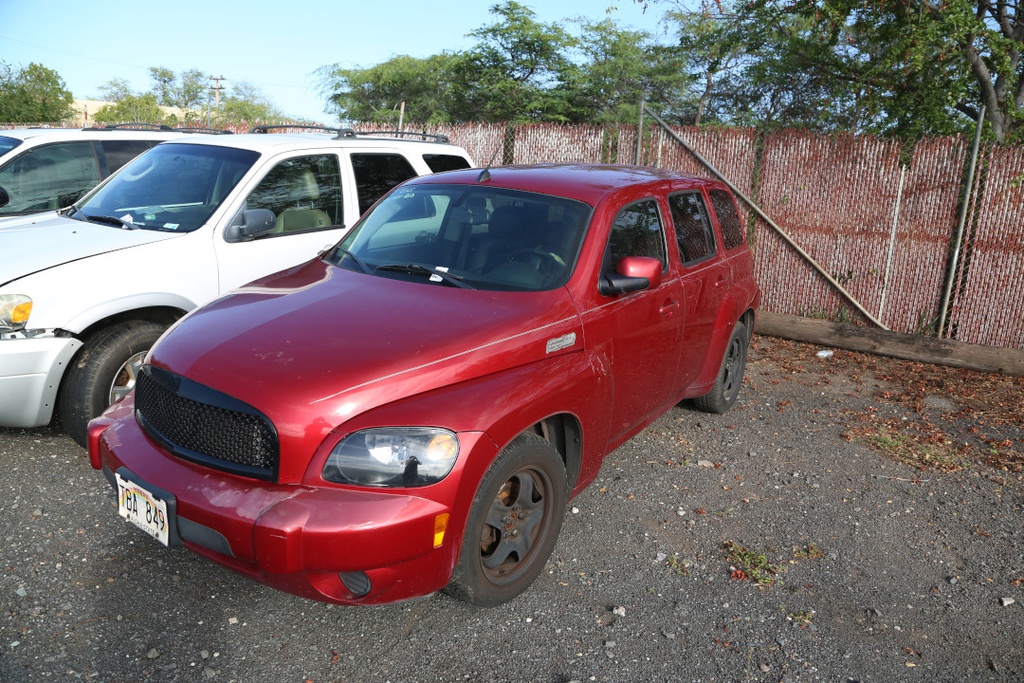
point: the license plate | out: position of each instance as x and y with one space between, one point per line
143 509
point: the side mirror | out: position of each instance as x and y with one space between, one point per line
248 225
632 274
5 198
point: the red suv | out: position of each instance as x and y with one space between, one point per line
413 409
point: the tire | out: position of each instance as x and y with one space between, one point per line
513 523
730 376
103 372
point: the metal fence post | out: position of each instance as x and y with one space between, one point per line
892 241
958 238
640 134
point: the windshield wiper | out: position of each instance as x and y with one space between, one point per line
111 220
417 269
362 266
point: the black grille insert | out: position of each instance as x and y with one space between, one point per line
206 426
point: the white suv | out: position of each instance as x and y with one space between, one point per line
85 291
43 169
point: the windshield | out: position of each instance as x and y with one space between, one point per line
172 187
469 236
7 144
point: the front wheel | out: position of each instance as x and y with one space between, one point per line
730 376
513 523
103 372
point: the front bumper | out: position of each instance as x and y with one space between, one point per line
346 546
30 374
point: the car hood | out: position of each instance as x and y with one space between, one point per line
321 344
40 241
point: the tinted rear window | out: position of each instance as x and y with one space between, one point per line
444 162
376 174
725 208
120 152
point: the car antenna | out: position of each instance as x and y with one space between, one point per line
485 174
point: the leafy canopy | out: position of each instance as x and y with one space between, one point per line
33 94
519 70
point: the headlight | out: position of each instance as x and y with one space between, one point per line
14 312
393 456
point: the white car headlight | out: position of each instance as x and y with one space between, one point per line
393 457
14 312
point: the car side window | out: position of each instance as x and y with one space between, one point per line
50 177
444 162
728 218
120 152
694 234
376 174
637 231
303 192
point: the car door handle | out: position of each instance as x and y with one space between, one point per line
721 281
669 308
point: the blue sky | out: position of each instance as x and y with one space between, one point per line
275 46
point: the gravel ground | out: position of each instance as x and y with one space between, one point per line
793 539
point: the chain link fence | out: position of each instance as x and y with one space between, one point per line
880 216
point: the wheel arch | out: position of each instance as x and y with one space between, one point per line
564 433
163 308
729 314
163 315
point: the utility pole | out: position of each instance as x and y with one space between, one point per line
216 89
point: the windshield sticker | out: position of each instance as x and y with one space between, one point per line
563 342
438 278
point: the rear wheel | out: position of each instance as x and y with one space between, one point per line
513 523
103 373
730 376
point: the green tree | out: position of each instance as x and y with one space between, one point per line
512 74
193 89
116 89
518 70
185 91
142 108
163 87
619 69
375 94
33 94
903 67
245 104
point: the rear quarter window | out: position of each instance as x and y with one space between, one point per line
444 162
376 174
728 218
694 234
120 152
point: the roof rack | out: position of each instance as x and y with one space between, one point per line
340 132
211 131
137 125
436 137
160 127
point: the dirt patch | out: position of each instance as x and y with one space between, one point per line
931 417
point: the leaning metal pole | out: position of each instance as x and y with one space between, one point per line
958 238
640 134
782 233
